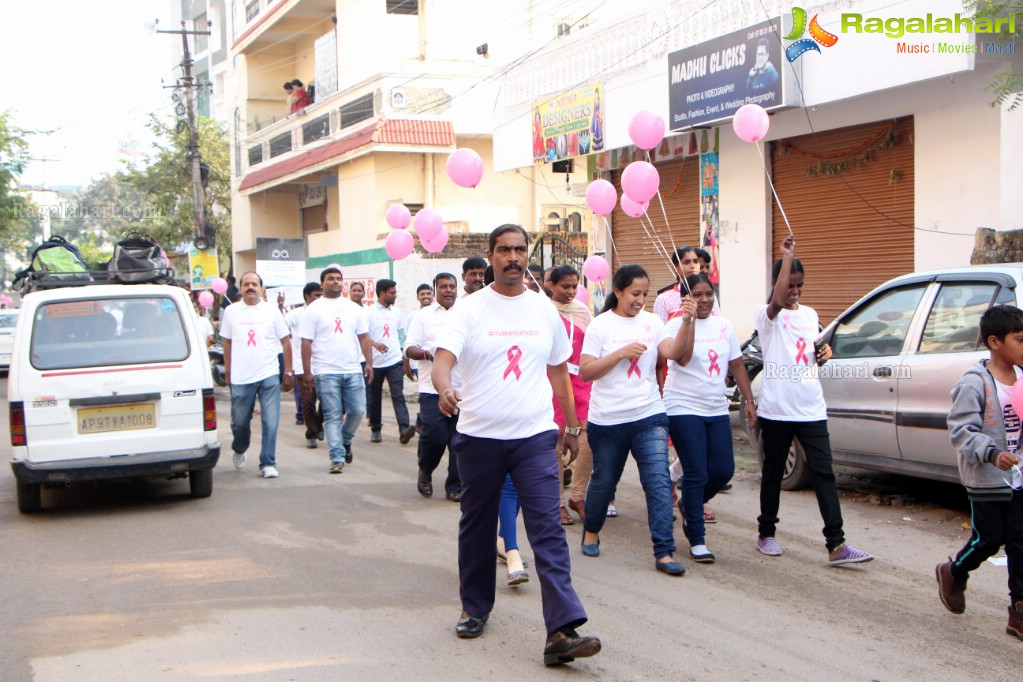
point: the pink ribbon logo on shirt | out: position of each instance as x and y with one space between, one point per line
634 367
712 355
252 338
514 355
387 330
801 356
337 325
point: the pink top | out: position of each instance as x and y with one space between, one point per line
580 388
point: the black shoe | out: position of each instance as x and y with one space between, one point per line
565 645
375 437
568 478
727 487
299 421
319 435
425 484
348 454
407 434
671 567
454 496
470 627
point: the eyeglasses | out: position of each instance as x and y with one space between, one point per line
1015 477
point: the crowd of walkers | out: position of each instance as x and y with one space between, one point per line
539 403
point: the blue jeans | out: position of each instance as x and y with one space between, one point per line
341 394
704 444
648 440
243 403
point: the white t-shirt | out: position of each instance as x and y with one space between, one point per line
424 325
293 318
629 392
333 325
205 327
503 346
255 332
384 324
791 389
1009 417
697 387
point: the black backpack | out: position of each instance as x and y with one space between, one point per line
138 258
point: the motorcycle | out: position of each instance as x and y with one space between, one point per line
753 360
216 353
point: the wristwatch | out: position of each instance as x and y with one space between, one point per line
573 430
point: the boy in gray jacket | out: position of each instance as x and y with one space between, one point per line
985 431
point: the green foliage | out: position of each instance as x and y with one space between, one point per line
1007 85
164 183
16 210
110 206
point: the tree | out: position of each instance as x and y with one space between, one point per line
109 206
15 208
1006 86
165 182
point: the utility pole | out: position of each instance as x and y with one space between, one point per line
202 239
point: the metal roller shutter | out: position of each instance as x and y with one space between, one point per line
850 237
680 190
314 219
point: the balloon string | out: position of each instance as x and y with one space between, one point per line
483 199
664 211
658 246
771 183
607 231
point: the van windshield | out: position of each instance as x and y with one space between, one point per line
108 331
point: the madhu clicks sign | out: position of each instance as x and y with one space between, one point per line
710 81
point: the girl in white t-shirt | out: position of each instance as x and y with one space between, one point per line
619 355
792 406
701 348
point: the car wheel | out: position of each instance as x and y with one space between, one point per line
200 482
30 497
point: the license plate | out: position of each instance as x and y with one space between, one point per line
117 418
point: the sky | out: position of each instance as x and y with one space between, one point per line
86 75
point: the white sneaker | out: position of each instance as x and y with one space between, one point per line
270 472
239 460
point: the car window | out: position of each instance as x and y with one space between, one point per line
110 331
953 325
879 326
8 321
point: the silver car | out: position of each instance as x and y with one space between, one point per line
898 352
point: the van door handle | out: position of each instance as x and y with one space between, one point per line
883 372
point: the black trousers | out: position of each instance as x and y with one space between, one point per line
395 376
994 524
435 438
813 436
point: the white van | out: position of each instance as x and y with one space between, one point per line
110 381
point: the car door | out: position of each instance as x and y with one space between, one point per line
949 342
868 342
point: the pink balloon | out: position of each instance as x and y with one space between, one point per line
751 123
219 285
601 197
582 295
640 181
398 217
399 244
633 208
205 299
465 168
596 268
428 224
437 244
646 129
1016 397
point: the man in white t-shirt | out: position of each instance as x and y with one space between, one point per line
252 330
311 417
335 341
385 329
511 349
437 428
473 270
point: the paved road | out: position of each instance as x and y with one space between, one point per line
319 577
